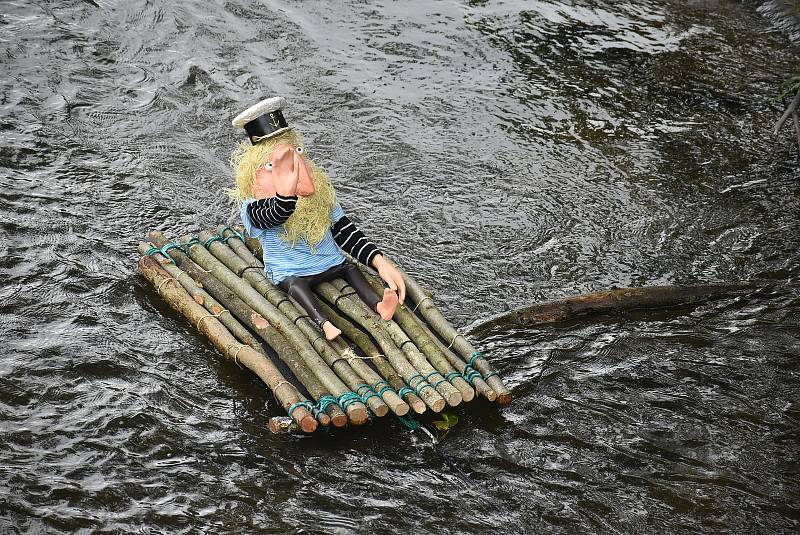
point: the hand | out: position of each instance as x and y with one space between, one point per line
390 275
285 170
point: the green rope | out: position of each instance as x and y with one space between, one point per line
185 246
347 399
486 377
470 374
369 392
414 377
452 375
164 250
409 422
471 361
323 403
405 390
307 404
428 377
421 384
236 234
385 388
419 388
211 240
437 383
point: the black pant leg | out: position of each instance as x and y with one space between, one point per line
354 278
300 290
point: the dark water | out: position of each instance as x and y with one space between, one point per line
504 152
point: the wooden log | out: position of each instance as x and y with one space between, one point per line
410 324
384 367
252 243
215 331
461 346
267 332
239 247
474 378
358 380
376 383
214 259
432 376
618 299
203 298
278 297
239 331
356 310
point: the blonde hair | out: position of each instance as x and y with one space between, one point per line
311 218
247 158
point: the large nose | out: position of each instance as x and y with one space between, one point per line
305 186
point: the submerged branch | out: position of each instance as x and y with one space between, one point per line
651 297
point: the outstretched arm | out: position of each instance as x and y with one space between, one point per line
272 211
353 242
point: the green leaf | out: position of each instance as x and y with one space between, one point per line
441 425
451 419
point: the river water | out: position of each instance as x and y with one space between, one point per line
504 153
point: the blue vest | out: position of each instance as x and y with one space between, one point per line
281 260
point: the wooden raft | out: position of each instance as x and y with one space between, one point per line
413 363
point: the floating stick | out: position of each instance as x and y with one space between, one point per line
617 299
215 331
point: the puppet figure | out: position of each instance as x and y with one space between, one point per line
289 204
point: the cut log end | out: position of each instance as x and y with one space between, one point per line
438 405
490 394
401 409
338 418
308 424
467 394
323 419
358 415
504 399
379 409
454 399
275 425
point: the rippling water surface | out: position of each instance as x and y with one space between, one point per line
505 153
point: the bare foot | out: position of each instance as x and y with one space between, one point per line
387 307
330 330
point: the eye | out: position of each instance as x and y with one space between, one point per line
268 166
300 150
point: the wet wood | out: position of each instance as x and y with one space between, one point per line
357 311
619 299
417 359
456 341
410 324
229 267
180 300
336 353
384 367
267 332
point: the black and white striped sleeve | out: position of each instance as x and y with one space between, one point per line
271 212
353 242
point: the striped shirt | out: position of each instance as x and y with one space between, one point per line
264 219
